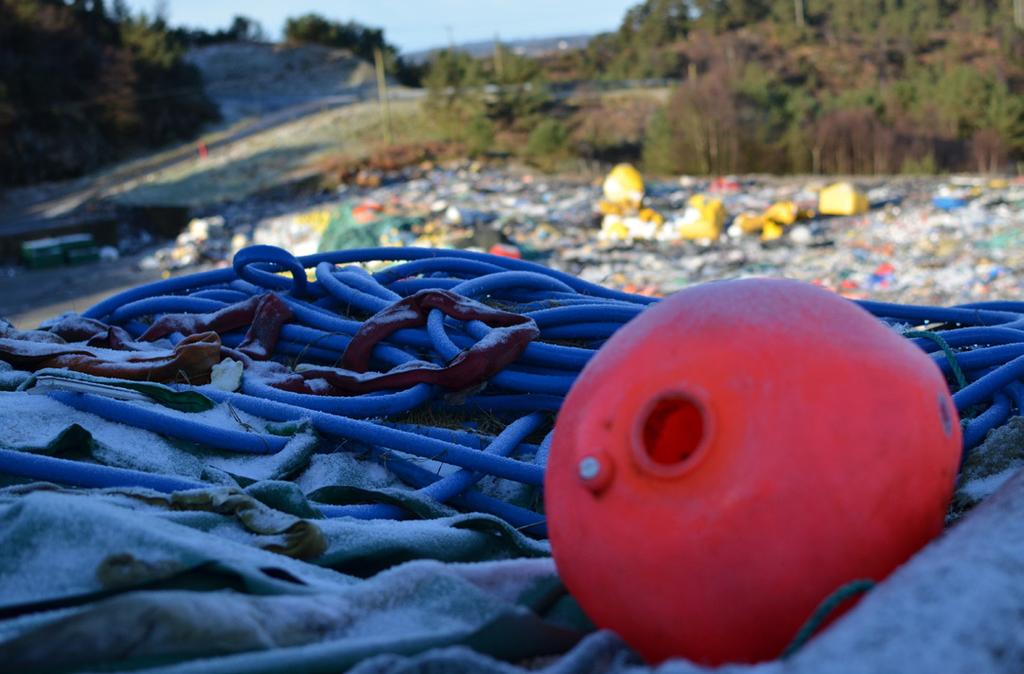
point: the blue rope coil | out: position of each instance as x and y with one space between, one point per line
986 342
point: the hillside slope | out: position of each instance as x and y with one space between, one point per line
249 78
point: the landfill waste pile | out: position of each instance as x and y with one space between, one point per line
919 240
288 464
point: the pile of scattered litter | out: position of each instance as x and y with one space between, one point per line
908 240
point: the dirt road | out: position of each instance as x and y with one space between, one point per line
32 296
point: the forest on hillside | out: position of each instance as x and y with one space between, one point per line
82 84
780 86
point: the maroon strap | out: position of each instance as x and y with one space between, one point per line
475 365
94 333
412 312
261 338
189 362
264 314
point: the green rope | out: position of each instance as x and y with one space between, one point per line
961 380
824 610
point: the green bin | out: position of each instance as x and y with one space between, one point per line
82 255
42 253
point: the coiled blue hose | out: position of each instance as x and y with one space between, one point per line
985 340
327 312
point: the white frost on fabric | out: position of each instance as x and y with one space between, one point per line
436 466
344 469
54 543
358 376
224 416
10 378
284 463
267 371
508 491
507 580
983 487
31 421
308 367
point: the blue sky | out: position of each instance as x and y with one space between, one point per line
413 25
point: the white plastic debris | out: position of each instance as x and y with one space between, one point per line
226 375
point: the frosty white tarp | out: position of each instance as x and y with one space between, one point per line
91 579
957 608
105 580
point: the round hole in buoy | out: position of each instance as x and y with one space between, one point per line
673 430
669 433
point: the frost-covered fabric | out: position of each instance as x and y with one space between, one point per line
86 579
990 465
37 423
244 575
276 516
338 473
91 579
957 607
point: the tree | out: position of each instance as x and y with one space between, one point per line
655 23
454 82
314 29
659 156
479 135
519 91
719 15
706 115
359 39
245 29
548 144
1001 132
640 48
81 87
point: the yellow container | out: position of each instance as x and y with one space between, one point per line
624 186
614 228
749 223
842 199
704 219
651 215
772 231
697 229
605 207
782 213
711 210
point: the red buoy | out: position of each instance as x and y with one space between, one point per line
733 456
